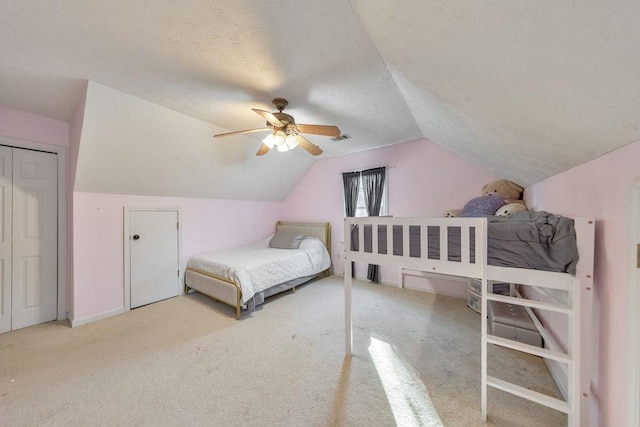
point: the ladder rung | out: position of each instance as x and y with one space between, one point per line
543 399
527 348
530 303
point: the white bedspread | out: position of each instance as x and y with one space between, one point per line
258 267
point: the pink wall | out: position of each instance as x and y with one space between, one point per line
21 125
602 189
99 244
424 179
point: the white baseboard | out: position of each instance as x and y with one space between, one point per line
458 289
85 320
422 287
420 273
558 370
382 282
426 288
559 376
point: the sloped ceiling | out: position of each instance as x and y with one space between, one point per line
131 146
526 89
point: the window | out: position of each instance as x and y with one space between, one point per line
354 191
361 209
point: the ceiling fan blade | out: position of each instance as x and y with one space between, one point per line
268 117
242 131
319 130
264 149
308 145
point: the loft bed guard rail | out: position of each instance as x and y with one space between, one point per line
467 259
459 247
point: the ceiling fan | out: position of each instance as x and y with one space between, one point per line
285 133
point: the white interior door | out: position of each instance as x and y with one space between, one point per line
35 238
6 188
154 256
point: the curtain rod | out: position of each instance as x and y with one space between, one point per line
374 167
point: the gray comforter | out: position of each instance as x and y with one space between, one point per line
534 240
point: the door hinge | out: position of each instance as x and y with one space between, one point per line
638 255
178 273
177 225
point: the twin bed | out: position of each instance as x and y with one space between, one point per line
532 249
244 277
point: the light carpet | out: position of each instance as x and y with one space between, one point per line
187 361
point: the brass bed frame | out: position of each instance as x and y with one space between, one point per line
228 291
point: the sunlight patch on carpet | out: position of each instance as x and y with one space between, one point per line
407 395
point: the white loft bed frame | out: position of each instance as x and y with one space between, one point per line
578 287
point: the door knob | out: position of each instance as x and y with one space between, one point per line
136 237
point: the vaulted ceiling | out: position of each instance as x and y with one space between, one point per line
526 89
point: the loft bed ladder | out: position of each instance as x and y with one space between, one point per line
577 310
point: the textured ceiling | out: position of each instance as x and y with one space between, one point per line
527 89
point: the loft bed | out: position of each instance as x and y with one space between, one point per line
467 247
243 277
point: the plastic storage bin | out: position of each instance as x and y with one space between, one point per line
474 292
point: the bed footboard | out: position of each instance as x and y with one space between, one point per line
218 288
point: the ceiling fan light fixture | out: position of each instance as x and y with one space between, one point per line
280 141
291 142
269 141
284 133
279 138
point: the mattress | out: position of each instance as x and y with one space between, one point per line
258 267
533 240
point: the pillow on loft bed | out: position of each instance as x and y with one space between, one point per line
285 240
482 206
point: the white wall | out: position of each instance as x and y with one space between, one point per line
132 146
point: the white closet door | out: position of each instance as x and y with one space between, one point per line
34 278
5 238
154 256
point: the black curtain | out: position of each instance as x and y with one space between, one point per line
373 189
351 183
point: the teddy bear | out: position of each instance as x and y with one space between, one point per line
509 193
504 188
452 213
510 208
